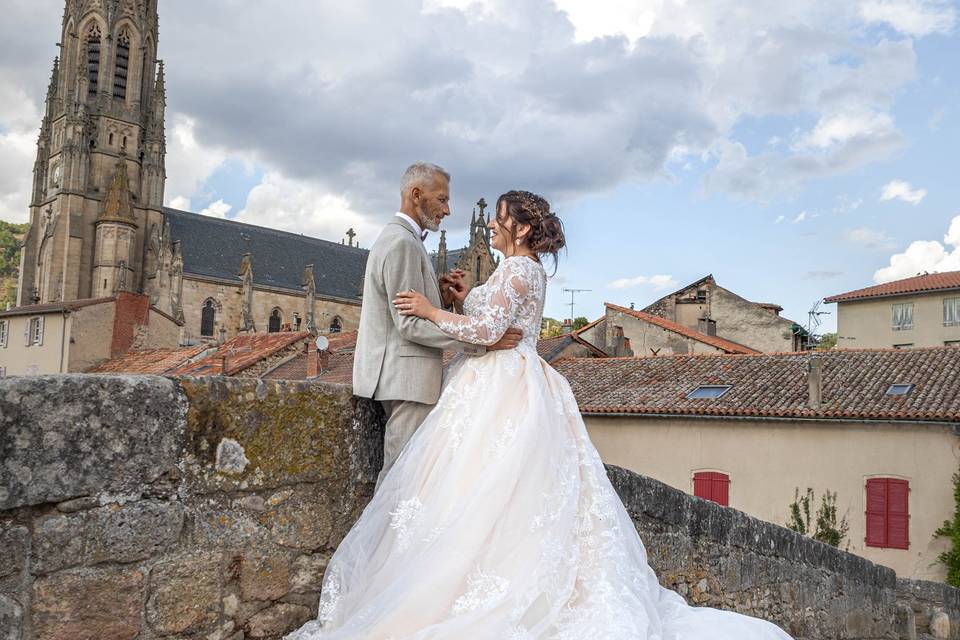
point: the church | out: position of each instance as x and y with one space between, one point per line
98 226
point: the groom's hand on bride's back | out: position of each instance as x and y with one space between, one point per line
510 340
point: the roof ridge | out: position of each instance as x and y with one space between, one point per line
676 327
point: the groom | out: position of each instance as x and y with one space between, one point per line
399 359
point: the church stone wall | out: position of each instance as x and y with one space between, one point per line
228 297
147 507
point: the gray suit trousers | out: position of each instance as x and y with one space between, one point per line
404 417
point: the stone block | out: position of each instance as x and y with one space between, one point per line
88 604
940 625
300 522
184 594
14 541
73 435
307 573
11 619
277 620
264 577
113 533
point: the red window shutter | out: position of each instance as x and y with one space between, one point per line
713 486
877 512
898 514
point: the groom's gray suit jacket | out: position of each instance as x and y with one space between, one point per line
400 357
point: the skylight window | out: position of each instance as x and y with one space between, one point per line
709 391
899 389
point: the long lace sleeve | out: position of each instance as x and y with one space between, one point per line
503 294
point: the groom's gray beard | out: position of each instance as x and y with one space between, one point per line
431 225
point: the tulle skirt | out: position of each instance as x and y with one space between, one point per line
498 522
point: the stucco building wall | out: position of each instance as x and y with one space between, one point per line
90 332
868 323
767 460
19 359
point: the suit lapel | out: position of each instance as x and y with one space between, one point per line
432 274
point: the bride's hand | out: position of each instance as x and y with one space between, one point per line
413 303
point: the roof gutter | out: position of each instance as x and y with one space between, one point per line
600 414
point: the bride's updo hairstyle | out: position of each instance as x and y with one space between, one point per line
546 229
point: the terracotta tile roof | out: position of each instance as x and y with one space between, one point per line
241 352
917 284
774 385
339 369
724 345
547 348
343 341
150 361
48 307
340 346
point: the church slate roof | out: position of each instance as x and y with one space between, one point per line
213 247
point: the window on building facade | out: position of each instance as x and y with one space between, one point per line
336 326
888 513
93 60
903 345
899 389
207 317
902 316
713 486
4 330
34 332
276 319
709 391
951 343
296 322
951 312
120 69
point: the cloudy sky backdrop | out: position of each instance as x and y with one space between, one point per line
792 149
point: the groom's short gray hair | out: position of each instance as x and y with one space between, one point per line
420 174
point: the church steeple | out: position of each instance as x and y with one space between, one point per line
104 108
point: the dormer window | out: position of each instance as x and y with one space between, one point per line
120 69
899 389
709 391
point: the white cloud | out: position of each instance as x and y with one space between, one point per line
913 17
840 128
869 238
779 219
846 205
658 282
189 163
800 217
900 190
301 207
218 209
924 256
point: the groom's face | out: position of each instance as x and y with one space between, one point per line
433 203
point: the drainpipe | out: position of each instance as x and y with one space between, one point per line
815 382
63 337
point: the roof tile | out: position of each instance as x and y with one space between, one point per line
917 284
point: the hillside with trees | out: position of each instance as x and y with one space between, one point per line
11 235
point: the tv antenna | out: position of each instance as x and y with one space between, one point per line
572 293
813 317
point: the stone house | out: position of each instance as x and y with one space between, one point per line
70 337
626 332
708 308
877 427
922 311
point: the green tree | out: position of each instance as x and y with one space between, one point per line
951 529
580 322
550 328
827 341
11 235
828 528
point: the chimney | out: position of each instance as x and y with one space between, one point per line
567 326
815 382
707 326
131 312
311 353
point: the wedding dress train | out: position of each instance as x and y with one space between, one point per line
498 521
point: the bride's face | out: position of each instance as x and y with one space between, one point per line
504 232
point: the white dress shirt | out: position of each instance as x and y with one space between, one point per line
416 227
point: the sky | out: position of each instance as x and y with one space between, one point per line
794 150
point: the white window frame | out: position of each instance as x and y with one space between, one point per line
4 332
900 312
34 331
951 311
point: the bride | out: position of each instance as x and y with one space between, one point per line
497 521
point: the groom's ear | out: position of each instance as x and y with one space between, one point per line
416 192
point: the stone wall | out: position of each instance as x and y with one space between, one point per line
144 507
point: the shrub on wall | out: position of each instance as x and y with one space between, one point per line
951 529
827 527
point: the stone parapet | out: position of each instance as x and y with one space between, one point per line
148 508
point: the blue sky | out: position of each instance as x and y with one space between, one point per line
793 150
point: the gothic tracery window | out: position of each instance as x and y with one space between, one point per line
93 59
207 316
122 64
275 320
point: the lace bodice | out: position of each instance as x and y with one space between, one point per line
513 296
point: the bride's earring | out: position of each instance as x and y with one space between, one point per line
518 241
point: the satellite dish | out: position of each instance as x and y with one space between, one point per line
322 343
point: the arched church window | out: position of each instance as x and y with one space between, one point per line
276 318
336 326
207 316
93 59
120 69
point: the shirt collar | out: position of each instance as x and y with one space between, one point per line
416 227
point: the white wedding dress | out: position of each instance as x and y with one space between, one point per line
498 521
